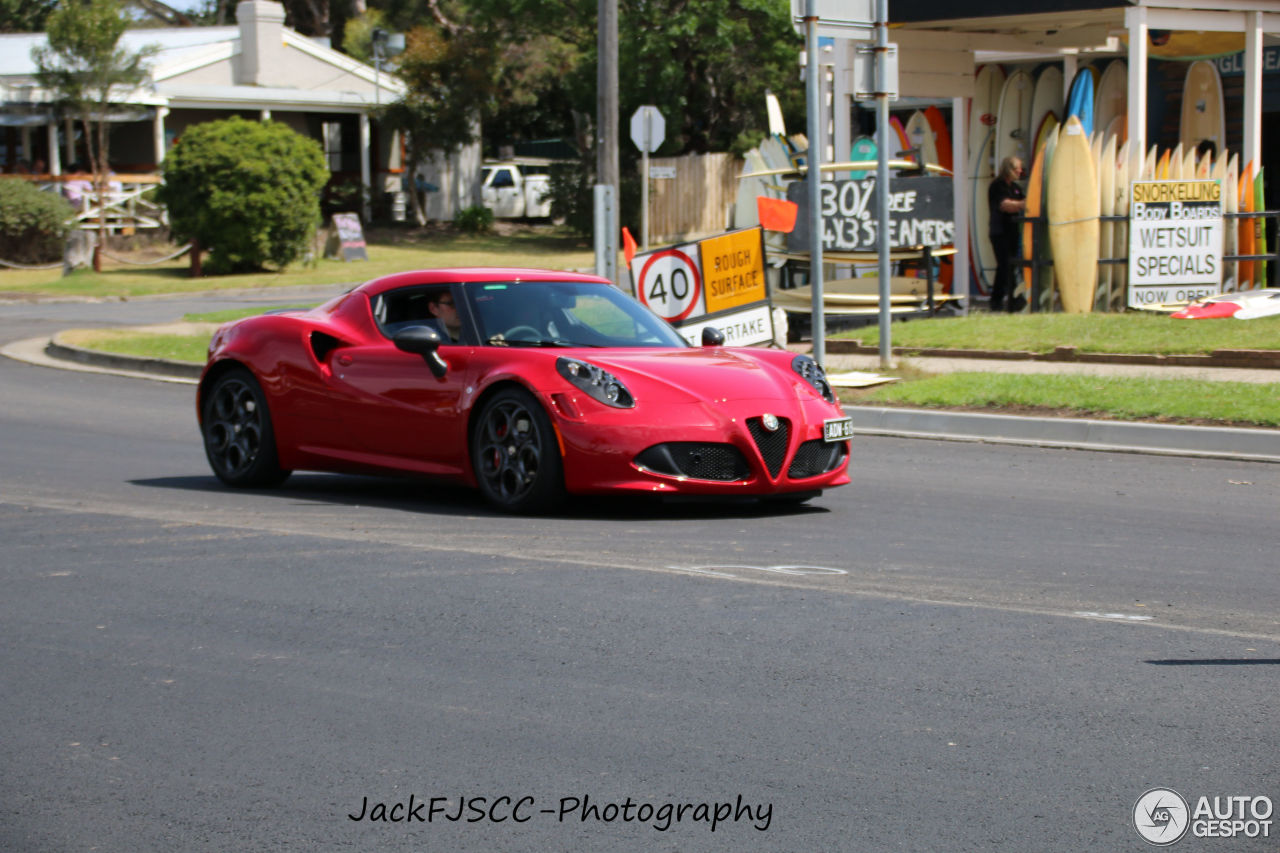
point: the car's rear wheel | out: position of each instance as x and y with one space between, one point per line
238 438
515 454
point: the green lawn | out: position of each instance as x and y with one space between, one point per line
1113 333
1175 400
545 247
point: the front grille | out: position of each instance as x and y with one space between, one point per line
816 457
772 445
696 460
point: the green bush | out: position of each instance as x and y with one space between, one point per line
474 220
572 194
33 224
247 191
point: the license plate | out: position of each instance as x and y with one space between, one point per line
837 429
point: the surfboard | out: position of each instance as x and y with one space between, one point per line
899 136
1106 230
941 136
1013 119
1170 44
1073 218
745 212
1128 163
1080 100
1190 167
1034 233
1264 303
1242 306
1204 168
1245 226
864 148
1112 100
1231 233
777 126
1044 289
1048 125
1162 166
1203 117
1260 228
1046 100
1176 158
920 135
988 85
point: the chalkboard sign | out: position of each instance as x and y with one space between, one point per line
921 213
348 237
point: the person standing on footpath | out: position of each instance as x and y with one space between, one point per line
1007 202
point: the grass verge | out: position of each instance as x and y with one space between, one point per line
1168 400
1111 333
407 250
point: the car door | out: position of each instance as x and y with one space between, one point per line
400 415
501 193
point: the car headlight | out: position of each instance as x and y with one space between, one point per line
596 381
810 372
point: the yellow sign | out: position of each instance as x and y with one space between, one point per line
733 269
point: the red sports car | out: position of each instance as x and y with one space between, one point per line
529 384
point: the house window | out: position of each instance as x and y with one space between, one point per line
332 133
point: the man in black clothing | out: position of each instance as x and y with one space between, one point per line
1006 201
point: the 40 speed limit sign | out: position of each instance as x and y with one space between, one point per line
669 282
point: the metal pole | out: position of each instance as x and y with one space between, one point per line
813 106
882 177
644 180
607 127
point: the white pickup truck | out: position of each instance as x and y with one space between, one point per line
515 189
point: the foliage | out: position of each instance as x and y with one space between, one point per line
24 16
357 36
476 219
449 76
572 193
85 68
247 190
33 223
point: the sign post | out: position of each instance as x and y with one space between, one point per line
648 129
848 19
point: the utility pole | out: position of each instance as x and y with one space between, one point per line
606 194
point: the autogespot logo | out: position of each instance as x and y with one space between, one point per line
1161 816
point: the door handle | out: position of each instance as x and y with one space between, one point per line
344 360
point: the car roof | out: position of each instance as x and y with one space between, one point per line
466 274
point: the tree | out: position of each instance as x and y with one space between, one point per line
449 77
84 67
247 190
24 16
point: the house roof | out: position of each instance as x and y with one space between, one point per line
195 67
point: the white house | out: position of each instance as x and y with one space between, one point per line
258 68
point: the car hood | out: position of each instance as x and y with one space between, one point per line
703 374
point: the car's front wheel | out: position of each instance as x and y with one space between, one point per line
238 438
515 454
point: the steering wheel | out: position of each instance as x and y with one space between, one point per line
515 333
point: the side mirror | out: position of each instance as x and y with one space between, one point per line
712 337
424 341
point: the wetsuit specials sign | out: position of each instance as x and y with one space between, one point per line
1175 241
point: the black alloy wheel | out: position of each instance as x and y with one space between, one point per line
515 454
238 439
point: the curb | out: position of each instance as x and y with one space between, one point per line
133 364
1246 358
1251 445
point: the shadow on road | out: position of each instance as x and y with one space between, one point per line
429 497
1216 662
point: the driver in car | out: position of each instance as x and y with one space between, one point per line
442 307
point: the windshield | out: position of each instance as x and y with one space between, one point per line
566 314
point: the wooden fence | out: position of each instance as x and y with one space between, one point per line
698 201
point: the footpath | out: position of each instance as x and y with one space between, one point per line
1255 445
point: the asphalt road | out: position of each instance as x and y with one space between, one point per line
984 648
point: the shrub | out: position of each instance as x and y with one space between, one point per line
474 220
33 224
248 191
572 194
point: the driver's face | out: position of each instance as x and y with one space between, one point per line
445 309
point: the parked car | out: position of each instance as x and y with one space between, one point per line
517 189
542 383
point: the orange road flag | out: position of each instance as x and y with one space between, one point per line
628 244
777 214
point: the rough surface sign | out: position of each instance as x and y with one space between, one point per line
1175 241
715 282
921 213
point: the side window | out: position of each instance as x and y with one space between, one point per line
409 307
503 178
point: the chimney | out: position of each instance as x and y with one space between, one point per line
261 41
